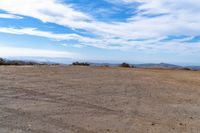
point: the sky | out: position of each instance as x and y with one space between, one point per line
133 31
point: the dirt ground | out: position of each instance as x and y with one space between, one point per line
58 99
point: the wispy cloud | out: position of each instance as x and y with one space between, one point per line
11 16
46 34
153 21
28 52
47 11
111 43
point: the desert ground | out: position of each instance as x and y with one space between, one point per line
75 99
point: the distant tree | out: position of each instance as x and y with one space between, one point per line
2 61
80 64
126 65
185 68
17 62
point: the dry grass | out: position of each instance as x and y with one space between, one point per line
45 99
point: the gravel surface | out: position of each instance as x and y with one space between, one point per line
58 99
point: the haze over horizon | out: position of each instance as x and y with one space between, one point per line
135 31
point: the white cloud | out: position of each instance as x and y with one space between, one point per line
11 16
46 10
171 18
78 46
100 42
36 32
28 52
74 45
109 43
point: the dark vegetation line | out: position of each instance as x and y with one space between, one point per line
88 64
80 64
125 65
145 66
18 62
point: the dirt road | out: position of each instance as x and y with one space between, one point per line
58 99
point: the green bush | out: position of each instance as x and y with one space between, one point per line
185 68
2 61
80 64
17 62
126 65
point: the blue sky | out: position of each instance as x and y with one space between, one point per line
134 31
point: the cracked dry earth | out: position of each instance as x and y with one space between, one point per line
58 99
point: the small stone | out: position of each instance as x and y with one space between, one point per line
181 124
108 130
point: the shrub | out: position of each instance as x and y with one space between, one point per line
2 61
80 64
126 65
17 62
185 68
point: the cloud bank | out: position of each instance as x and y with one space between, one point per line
154 25
10 16
28 52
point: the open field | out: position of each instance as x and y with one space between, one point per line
57 99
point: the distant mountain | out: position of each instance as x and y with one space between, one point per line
167 66
104 64
65 61
151 65
161 65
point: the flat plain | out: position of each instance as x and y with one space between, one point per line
75 99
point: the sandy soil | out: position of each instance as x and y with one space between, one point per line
47 99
